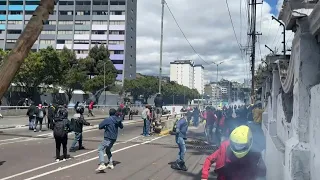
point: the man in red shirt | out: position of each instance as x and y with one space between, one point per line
235 160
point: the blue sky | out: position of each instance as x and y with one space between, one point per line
273 4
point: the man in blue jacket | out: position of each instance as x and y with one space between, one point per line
181 136
110 126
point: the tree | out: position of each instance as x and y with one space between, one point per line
30 34
145 86
73 73
39 68
3 55
95 63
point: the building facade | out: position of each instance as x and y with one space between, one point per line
78 25
181 72
214 91
198 78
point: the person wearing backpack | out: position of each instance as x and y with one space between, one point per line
40 114
61 127
77 123
145 115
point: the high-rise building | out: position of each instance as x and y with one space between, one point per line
198 78
184 72
181 71
78 25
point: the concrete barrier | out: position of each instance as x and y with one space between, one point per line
167 125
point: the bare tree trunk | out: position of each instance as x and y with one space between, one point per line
30 34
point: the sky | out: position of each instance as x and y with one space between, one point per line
207 26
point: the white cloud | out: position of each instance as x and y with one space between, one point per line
207 25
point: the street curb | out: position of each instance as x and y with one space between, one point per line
26 125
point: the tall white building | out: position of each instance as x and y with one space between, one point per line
198 77
184 72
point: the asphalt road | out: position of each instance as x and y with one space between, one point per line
28 155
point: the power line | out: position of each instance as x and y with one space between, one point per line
184 34
234 32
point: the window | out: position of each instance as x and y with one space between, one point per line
46 41
97 42
64 32
14 31
117 22
116 42
117 3
65 22
48 32
81 42
82 22
117 12
100 22
14 3
2 22
100 13
32 2
101 2
83 2
3 2
82 32
130 65
59 41
118 52
11 40
83 13
116 32
3 12
117 61
66 3
15 12
81 51
14 22
99 32
52 22
65 12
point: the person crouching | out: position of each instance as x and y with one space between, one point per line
78 122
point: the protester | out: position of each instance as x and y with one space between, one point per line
181 136
60 132
146 116
235 158
40 114
121 111
32 115
90 109
51 112
77 122
196 115
110 126
158 103
210 122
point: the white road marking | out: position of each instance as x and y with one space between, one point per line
50 135
4 140
53 163
88 160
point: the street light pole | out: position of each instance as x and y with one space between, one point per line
104 83
161 44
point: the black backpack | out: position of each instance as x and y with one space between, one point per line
60 129
72 124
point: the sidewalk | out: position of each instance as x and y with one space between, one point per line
16 122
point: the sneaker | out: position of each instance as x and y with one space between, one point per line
35 130
101 167
40 131
63 159
72 150
57 160
82 148
110 166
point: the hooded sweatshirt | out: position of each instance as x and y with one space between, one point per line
110 126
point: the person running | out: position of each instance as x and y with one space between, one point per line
90 109
78 121
40 114
235 158
60 132
181 136
110 126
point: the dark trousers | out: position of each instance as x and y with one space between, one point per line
50 123
146 127
61 141
39 120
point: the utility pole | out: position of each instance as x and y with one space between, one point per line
284 35
253 34
161 44
104 83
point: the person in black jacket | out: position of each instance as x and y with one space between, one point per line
158 103
78 122
32 115
60 132
51 112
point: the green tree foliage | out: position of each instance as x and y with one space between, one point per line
97 63
3 55
74 73
39 68
147 86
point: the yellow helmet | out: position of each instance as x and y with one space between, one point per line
241 141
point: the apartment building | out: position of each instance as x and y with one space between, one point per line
78 25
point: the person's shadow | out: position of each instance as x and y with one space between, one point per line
2 162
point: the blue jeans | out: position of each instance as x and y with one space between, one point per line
182 148
77 138
196 121
146 127
32 120
105 145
